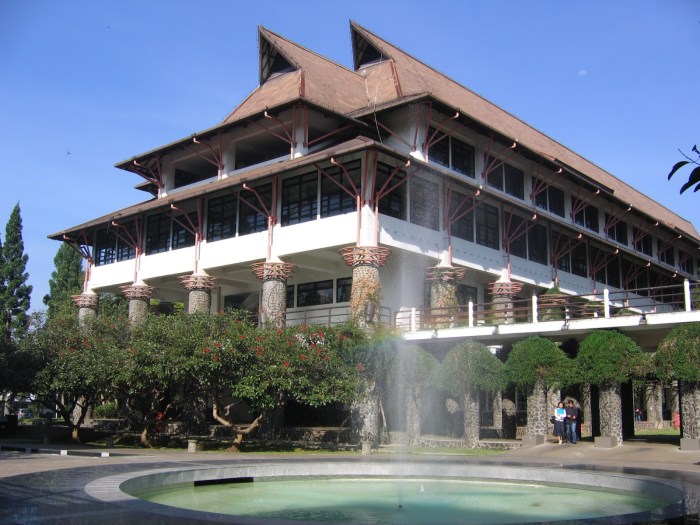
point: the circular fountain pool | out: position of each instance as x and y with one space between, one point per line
384 492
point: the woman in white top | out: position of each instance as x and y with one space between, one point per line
559 417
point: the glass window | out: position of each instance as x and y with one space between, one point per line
618 232
300 199
465 294
560 243
393 204
182 236
587 217
290 296
157 233
551 199
487 225
518 245
334 200
452 153
105 247
642 243
506 178
343 290
579 260
221 218
665 254
424 203
685 262
250 220
612 272
537 244
462 228
310 294
125 250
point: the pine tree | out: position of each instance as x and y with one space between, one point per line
66 280
4 321
15 298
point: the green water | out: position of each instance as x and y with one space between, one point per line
404 501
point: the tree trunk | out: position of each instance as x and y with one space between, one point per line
537 410
690 409
472 418
611 411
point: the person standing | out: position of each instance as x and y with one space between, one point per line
571 424
559 418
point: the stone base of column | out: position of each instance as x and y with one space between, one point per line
199 286
274 275
365 297
139 296
502 293
443 295
87 304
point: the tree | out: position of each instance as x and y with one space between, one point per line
66 280
468 370
694 177
678 358
607 359
15 298
536 364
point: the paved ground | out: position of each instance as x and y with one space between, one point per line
47 487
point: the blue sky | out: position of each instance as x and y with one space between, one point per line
86 84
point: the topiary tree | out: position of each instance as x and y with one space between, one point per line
678 358
468 370
536 364
607 359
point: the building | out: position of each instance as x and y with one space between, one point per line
390 193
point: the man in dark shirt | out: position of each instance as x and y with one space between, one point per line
571 422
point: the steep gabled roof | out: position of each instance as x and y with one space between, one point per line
290 72
413 77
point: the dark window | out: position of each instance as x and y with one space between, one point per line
642 242
506 178
518 245
105 247
126 236
158 233
300 199
579 260
463 227
343 289
182 230
685 262
334 200
587 217
612 272
203 171
665 253
424 203
290 296
310 294
465 294
452 153
537 244
221 218
551 199
486 218
393 204
251 214
560 243
618 232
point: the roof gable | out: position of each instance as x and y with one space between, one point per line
363 52
272 61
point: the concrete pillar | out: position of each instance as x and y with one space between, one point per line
366 294
274 275
139 296
199 286
443 294
87 304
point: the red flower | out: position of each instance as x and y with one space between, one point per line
217 344
241 337
286 364
215 358
206 350
302 356
259 351
360 367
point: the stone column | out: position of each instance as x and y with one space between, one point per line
87 303
139 296
610 414
274 275
653 393
502 293
199 286
366 294
443 294
498 412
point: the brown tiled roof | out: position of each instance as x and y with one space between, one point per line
415 77
316 79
